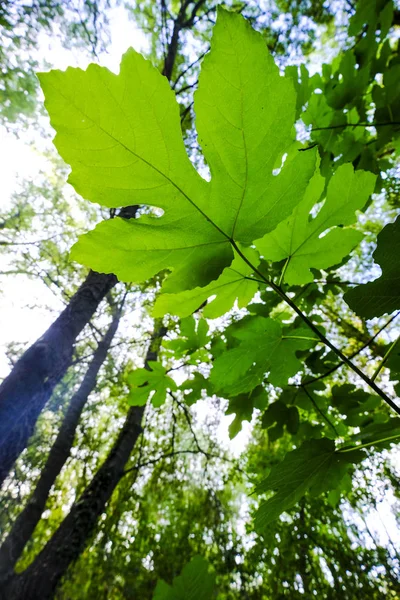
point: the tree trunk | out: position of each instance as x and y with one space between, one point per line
28 387
13 545
40 579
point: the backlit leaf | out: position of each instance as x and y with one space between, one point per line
121 135
262 347
143 382
196 582
298 238
230 286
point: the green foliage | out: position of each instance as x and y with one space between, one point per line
356 405
22 27
266 359
380 435
382 295
234 283
124 144
277 416
300 238
193 338
358 89
243 407
314 467
196 582
145 381
260 346
219 244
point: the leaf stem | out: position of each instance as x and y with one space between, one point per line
315 329
342 125
285 266
317 408
367 444
355 353
300 337
384 359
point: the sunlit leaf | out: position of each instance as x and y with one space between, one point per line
121 134
298 238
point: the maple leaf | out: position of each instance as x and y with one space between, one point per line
121 134
144 381
381 435
193 338
194 388
298 238
314 467
382 295
263 346
243 407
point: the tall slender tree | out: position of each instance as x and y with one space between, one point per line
12 547
41 578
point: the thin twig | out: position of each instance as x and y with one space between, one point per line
188 421
186 112
189 67
384 359
153 461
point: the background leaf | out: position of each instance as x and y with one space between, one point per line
315 466
382 295
196 582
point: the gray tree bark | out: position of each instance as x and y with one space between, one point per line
26 390
21 531
39 581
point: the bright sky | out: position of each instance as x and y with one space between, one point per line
24 312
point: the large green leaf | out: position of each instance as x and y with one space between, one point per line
381 435
196 582
314 467
358 406
299 239
121 135
263 347
278 414
382 295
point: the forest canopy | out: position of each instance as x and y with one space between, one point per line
212 411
